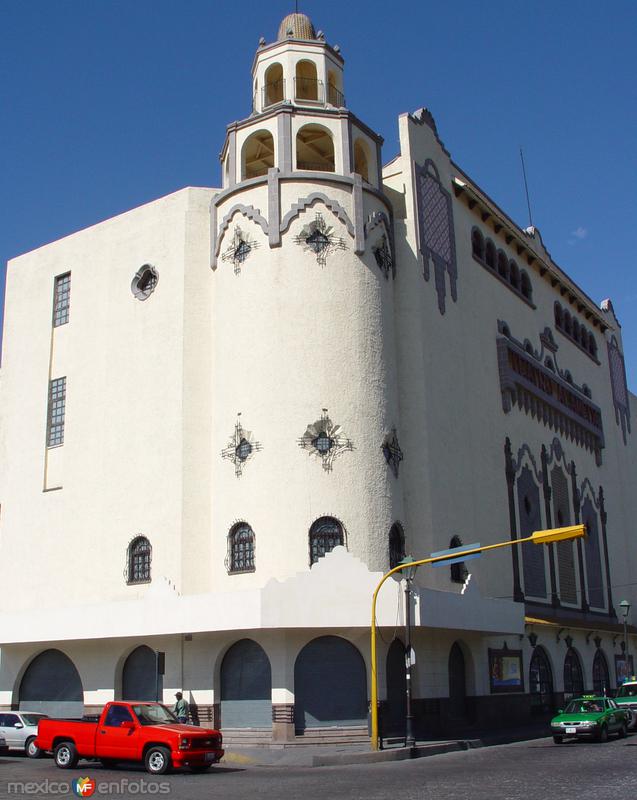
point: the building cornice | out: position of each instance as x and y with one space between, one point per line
529 249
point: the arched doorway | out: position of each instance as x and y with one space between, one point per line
601 674
573 675
457 684
52 685
246 687
393 722
140 680
330 685
540 682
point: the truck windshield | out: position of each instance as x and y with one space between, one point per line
153 715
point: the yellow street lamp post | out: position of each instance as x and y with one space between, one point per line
456 554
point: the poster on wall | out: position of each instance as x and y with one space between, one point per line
505 671
624 669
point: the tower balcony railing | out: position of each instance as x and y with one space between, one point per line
309 90
335 97
273 93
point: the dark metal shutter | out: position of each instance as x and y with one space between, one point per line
246 687
52 685
393 722
139 676
330 685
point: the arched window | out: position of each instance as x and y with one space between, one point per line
306 84
576 330
396 545
459 572
601 675
503 266
361 161
273 88
514 275
592 345
257 155
567 323
583 337
573 676
559 317
489 254
525 285
540 682
477 244
315 149
241 548
325 534
138 561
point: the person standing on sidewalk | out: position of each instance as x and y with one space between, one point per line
181 708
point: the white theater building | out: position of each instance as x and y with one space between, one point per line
226 413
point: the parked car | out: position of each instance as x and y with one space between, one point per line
626 698
141 732
589 716
20 729
4 747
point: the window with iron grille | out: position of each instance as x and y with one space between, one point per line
325 534
139 557
459 572
601 675
396 545
241 549
61 299
55 415
573 675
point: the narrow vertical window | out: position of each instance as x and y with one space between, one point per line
55 416
61 299
240 549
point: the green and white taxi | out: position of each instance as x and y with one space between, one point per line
626 699
589 716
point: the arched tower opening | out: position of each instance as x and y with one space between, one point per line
315 149
257 155
306 81
361 159
273 88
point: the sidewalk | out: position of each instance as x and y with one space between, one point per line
343 754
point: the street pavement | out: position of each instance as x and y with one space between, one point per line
520 771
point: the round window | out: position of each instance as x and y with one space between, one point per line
243 449
144 282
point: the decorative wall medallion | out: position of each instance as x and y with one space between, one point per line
392 452
239 249
384 259
241 447
325 440
319 238
437 238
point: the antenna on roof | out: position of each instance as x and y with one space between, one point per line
526 188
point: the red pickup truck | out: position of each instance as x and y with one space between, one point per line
142 732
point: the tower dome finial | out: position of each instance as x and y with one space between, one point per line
296 26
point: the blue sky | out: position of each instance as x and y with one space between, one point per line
109 104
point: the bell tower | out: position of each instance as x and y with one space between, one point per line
299 120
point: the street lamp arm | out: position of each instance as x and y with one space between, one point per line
537 537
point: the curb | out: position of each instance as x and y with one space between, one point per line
396 754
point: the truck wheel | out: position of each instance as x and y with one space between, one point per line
31 748
65 755
157 760
557 739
